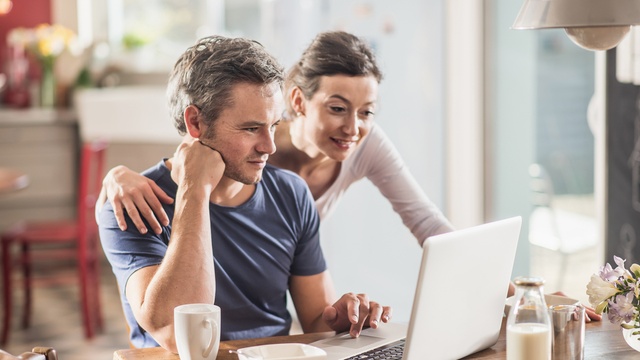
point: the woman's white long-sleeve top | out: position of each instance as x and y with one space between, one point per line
379 161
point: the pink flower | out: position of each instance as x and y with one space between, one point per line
621 309
609 274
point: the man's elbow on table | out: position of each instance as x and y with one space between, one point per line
164 336
167 340
161 328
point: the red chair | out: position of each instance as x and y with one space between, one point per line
60 242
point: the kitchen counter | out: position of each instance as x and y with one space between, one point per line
35 116
42 144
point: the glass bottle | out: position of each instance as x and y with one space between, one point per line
528 323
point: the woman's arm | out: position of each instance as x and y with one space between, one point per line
136 194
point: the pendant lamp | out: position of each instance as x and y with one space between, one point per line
591 24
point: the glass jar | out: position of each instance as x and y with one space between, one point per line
528 322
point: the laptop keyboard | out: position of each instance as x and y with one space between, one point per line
390 351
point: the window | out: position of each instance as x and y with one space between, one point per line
149 35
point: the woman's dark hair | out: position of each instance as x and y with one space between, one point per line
331 53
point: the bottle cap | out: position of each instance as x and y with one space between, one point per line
529 281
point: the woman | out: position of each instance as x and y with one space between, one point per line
329 139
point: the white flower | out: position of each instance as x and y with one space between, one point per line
599 290
19 37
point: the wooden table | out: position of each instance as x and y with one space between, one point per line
11 180
603 341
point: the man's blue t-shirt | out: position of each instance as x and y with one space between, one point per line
257 246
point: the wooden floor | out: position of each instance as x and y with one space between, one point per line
57 320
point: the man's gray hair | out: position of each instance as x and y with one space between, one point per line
206 73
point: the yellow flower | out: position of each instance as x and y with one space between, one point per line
44 41
52 40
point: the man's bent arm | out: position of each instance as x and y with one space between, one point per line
311 295
186 274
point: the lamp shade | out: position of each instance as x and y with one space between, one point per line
544 14
592 24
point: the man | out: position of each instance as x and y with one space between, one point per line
241 232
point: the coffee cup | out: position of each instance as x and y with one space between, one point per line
197 331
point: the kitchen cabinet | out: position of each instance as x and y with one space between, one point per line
43 144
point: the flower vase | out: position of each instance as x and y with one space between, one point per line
17 92
47 84
632 339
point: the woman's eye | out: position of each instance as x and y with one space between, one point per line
368 114
337 109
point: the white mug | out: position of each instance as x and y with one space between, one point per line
197 330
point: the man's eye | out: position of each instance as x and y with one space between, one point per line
252 129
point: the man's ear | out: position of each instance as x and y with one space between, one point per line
296 99
192 121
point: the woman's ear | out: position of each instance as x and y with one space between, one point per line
297 101
192 121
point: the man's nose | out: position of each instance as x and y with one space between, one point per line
267 144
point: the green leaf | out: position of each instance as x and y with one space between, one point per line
602 307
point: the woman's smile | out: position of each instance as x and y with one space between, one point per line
344 144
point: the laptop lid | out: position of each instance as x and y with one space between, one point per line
459 299
462 287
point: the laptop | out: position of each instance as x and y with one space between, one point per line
459 300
